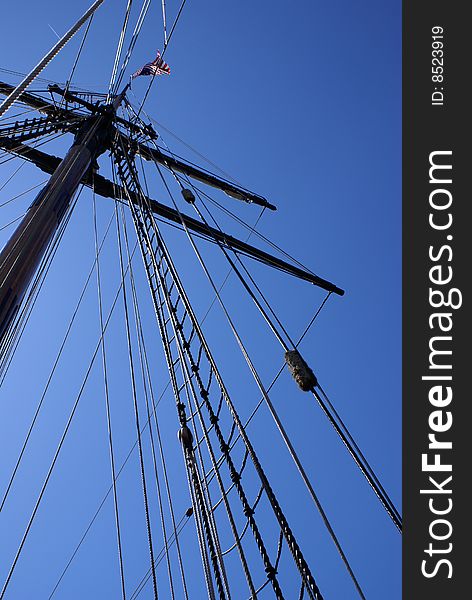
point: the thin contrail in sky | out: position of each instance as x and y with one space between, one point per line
54 31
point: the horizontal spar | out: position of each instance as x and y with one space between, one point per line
106 188
148 153
193 172
42 106
231 242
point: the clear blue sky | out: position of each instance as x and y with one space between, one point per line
301 102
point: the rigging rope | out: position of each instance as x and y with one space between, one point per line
174 539
140 338
102 338
200 191
74 66
233 266
11 177
107 399
207 527
257 233
15 330
279 372
196 489
11 153
23 193
218 563
176 20
100 505
295 550
269 321
136 412
264 392
197 409
119 48
13 118
155 405
364 467
161 451
361 455
21 87
251 229
11 343
56 362
163 52
345 436
134 38
20 74
12 222
61 442
205 158
164 22
352 447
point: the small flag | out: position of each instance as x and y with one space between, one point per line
157 67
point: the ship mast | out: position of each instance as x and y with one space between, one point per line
94 135
22 254
100 130
210 424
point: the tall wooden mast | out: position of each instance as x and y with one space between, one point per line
22 254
